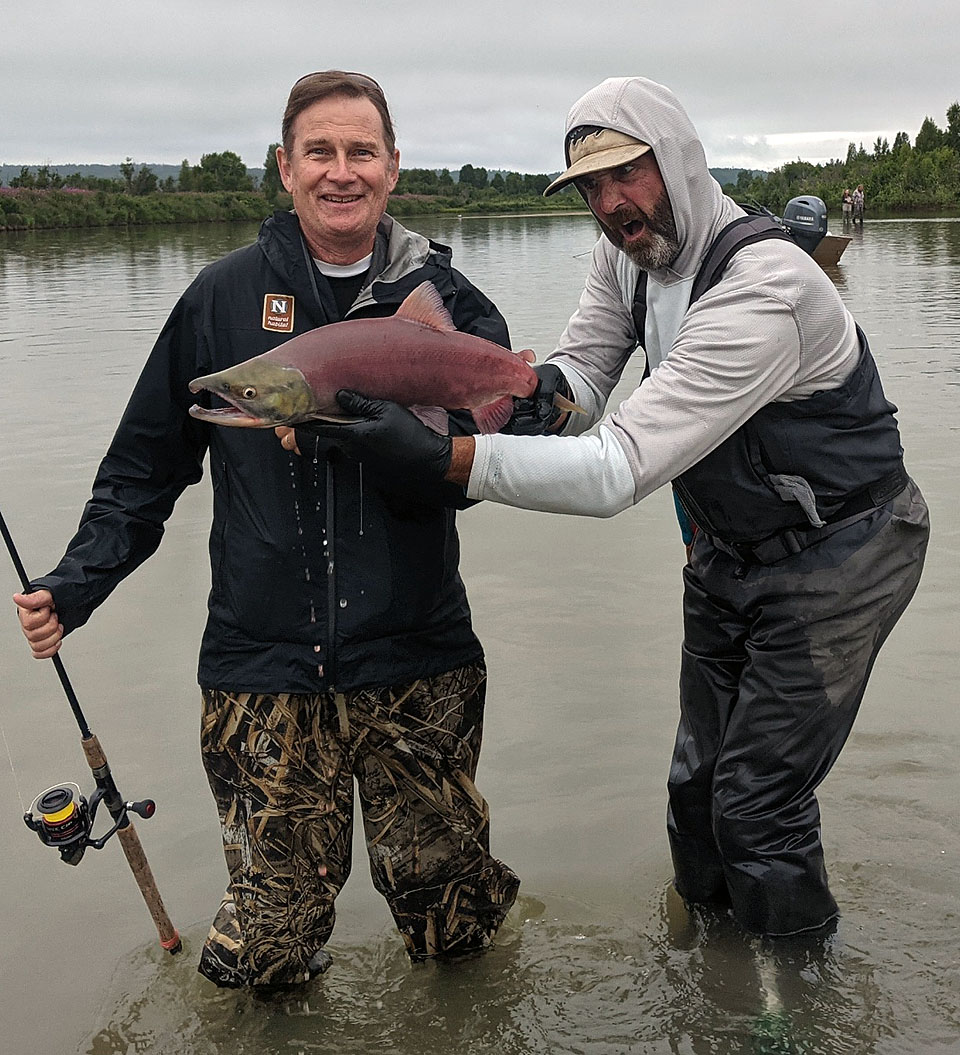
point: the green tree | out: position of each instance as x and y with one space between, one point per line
952 135
535 183
47 180
185 179
223 171
929 138
24 180
145 181
127 170
271 185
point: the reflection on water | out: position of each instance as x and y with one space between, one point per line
581 625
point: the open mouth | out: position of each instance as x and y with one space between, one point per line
232 415
227 416
633 227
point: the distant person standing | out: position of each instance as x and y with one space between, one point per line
846 205
858 204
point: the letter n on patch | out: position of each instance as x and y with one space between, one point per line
278 312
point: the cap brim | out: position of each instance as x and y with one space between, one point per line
599 161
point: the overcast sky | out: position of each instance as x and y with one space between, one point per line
487 82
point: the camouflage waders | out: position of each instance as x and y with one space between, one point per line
282 767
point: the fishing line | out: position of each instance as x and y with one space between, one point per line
13 770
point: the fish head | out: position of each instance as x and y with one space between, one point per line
261 393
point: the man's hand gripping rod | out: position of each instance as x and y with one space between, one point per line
67 826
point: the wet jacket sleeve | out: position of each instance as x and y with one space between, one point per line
156 452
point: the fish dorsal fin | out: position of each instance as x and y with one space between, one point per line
425 305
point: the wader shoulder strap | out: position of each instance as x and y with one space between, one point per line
639 313
733 237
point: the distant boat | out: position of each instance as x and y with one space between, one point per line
805 218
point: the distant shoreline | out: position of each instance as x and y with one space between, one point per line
35 210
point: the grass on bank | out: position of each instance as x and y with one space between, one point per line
30 209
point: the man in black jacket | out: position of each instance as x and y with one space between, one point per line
339 643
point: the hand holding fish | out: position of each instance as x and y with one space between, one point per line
387 434
540 412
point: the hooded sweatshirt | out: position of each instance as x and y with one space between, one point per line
773 329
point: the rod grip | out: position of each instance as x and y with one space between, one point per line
136 858
133 851
96 759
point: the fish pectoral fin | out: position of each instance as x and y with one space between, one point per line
425 305
493 416
435 418
562 403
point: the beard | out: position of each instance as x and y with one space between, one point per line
662 246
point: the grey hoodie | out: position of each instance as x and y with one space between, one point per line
773 328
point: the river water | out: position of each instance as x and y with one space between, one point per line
580 620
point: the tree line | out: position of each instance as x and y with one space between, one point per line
226 171
223 171
896 177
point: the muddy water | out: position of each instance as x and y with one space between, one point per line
581 624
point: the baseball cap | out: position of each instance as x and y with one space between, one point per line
593 149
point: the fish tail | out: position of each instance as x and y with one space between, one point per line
562 403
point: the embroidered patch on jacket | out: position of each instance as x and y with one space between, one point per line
278 312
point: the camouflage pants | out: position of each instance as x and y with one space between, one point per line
282 770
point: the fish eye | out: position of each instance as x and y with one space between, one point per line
249 392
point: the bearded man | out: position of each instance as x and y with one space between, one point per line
762 404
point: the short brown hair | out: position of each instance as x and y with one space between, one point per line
315 86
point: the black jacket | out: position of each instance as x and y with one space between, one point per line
323 574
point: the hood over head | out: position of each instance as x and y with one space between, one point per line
650 113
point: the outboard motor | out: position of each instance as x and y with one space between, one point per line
806 219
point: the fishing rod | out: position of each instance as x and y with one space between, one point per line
64 819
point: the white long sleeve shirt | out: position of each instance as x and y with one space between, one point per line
772 329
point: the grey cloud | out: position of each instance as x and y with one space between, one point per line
489 84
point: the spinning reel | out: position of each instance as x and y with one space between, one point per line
63 818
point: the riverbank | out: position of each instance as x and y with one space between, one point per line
22 209
28 209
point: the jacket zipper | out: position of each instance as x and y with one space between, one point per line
329 668
330 662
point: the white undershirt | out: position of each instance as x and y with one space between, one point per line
343 270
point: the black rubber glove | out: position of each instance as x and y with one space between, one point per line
535 414
389 435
